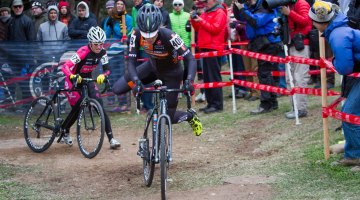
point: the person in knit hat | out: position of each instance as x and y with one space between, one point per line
52 29
345 44
166 18
109 7
114 29
65 15
38 14
114 26
4 20
179 19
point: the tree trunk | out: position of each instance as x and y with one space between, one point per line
95 7
72 7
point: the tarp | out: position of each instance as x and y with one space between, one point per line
26 67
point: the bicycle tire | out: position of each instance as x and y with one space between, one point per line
90 138
148 160
39 124
164 132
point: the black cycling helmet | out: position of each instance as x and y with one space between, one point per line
149 19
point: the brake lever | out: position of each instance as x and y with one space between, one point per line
107 86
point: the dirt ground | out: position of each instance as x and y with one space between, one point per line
117 174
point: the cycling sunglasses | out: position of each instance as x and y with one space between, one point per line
177 4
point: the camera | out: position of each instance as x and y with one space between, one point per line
194 15
276 3
242 1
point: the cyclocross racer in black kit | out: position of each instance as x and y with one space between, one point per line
163 47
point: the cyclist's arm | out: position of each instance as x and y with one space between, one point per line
178 44
187 55
68 66
134 44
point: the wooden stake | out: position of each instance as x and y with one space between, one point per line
324 98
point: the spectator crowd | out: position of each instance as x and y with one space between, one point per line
213 24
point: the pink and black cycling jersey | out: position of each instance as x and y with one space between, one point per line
85 61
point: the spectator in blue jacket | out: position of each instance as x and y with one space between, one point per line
345 44
80 26
260 30
114 25
109 7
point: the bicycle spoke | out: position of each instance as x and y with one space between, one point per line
90 129
39 125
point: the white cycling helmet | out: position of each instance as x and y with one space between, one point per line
96 35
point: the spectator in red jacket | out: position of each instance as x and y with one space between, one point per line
299 25
212 29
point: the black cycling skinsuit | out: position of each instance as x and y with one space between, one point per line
83 63
163 64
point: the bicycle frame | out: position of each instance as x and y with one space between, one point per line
56 100
160 107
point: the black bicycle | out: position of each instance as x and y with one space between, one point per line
43 121
157 147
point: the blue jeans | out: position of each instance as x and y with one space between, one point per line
146 98
352 131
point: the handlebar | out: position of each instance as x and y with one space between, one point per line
89 80
159 89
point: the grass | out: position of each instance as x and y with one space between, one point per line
292 153
12 189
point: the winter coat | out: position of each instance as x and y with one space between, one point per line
79 27
66 19
39 20
166 19
21 28
134 11
4 23
113 26
345 44
52 30
212 28
259 21
299 20
178 24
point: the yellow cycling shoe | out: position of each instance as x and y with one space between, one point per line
195 124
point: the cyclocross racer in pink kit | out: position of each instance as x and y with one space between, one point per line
81 65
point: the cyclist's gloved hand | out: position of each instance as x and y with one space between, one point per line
139 88
188 87
75 77
100 79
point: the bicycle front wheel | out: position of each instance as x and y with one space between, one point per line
39 125
90 128
164 130
148 159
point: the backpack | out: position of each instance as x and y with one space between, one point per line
354 14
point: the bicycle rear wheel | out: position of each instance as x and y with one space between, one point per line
148 159
164 130
90 128
39 125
